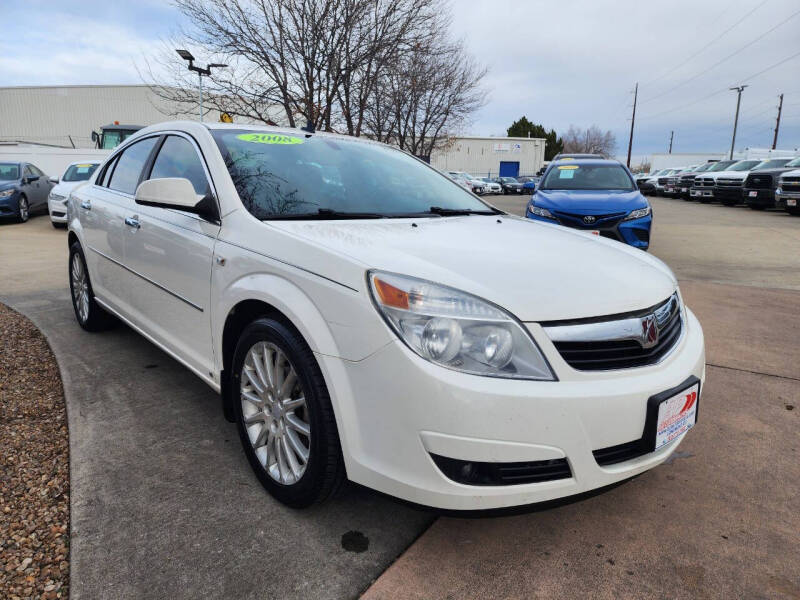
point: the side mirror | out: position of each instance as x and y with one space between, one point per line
31 178
53 180
177 193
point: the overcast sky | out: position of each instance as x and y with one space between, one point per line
557 62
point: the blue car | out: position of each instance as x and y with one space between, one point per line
529 184
596 196
23 190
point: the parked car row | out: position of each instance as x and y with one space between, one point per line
494 185
761 184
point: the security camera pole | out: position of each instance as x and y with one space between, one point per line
736 120
186 55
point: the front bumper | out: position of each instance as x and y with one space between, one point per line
728 194
635 233
395 410
9 206
57 210
759 197
701 193
783 200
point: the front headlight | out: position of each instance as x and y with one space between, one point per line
457 330
7 193
540 212
637 214
57 197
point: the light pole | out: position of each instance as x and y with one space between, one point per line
186 55
736 119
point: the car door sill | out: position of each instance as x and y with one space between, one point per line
106 306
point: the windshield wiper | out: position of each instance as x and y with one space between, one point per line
458 212
324 213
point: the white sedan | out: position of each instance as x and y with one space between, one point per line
388 329
75 174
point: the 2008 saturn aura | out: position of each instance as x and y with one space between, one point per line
365 317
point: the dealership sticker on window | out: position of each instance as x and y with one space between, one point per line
269 138
84 166
567 167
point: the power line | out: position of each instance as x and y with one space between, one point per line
673 69
723 90
715 65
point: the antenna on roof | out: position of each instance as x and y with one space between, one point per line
309 127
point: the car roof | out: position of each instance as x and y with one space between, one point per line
591 161
85 162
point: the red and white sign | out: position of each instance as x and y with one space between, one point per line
676 415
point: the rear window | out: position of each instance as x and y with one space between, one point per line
588 177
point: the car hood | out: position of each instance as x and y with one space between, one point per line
63 188
4 185
537 271
729 174
589 201
795 173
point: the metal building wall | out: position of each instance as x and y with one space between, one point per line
481 156
66 115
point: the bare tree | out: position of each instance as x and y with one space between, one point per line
590 140
383 68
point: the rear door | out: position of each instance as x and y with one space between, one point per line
103 208
172 252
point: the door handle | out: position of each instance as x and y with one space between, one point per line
85 204
132 222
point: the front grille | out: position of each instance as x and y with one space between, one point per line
662 180
620 453
511 473
729 183
611 234
687 180
625 353
576 221
792 183
763 182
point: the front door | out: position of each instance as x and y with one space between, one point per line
172 252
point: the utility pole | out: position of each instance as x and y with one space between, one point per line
739 90
671 135
633 119
778 122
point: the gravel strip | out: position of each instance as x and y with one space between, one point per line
34 465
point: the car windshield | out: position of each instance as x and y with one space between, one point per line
508 180
722 165
80 172
775 163
9 172
794 163
588 177
285 175
703 168
744 165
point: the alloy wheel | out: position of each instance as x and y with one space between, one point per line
23 209
80 287
275 413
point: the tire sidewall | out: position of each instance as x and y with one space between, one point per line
305 491
23 199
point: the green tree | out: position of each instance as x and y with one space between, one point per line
522 127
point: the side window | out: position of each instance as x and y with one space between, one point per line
105 176
28 171
178 158
126 174
36 170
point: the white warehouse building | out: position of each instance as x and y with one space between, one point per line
491 156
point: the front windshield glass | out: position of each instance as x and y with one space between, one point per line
722 165
794 163
508 180
9 171
79 172
703 168
588 177
775 163
303 176
744 165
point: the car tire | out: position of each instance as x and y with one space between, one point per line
23 209
271 431
89 314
